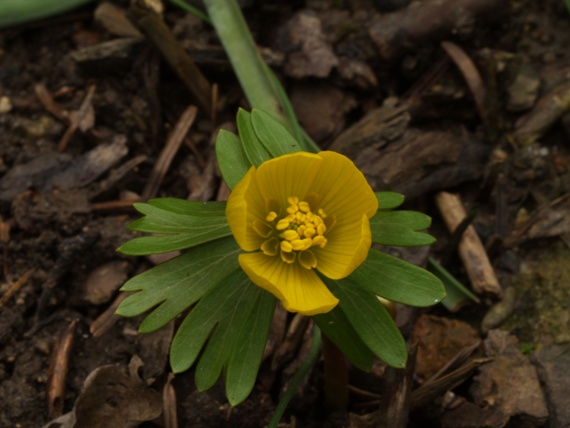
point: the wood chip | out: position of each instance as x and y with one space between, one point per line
471 250
58 371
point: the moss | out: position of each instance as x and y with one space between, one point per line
542 314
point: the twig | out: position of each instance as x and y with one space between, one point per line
156 30
170 149
471 75
471 250
15 286
107 319
58 371
75 120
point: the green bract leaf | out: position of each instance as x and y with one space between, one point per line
231 157
371 321
397 280
191 208
337 328
178 283
182 230
236 316
274 137
241 371
400 228
456 295
254 149
389 200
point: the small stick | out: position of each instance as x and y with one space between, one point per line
170 149
15 286
75 120
470 74
107 319
158 32
471 250
58 371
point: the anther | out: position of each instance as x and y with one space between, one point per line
282 224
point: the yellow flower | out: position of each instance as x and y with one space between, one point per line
297 213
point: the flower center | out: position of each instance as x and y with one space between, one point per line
293 235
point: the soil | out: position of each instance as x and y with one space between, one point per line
66 194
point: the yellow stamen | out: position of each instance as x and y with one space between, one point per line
293 200
304 206
286 246
282 224
295 233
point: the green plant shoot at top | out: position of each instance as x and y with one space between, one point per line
298 227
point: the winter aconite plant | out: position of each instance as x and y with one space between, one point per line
298 227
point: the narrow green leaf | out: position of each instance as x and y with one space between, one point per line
400 228
299 376
231 157
371 321
157 220
191 208
389 200
197 326
338 329
147 245
223 341
456 294
397 280
182 230
15 12
254 150
274 136
244 363
178 283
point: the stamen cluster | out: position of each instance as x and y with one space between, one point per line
293 235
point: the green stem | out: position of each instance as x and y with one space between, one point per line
261 87
303 370
191 9
335 377
14 12
238 43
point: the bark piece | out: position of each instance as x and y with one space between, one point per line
432 20
310 55
32 174
547 111
471 250
523 91
112 398
553 363
104 281
409 160
321 109
439 340
510 383
468 415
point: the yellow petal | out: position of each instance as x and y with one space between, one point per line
347 247
288 176
246 205
300 289
343 189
